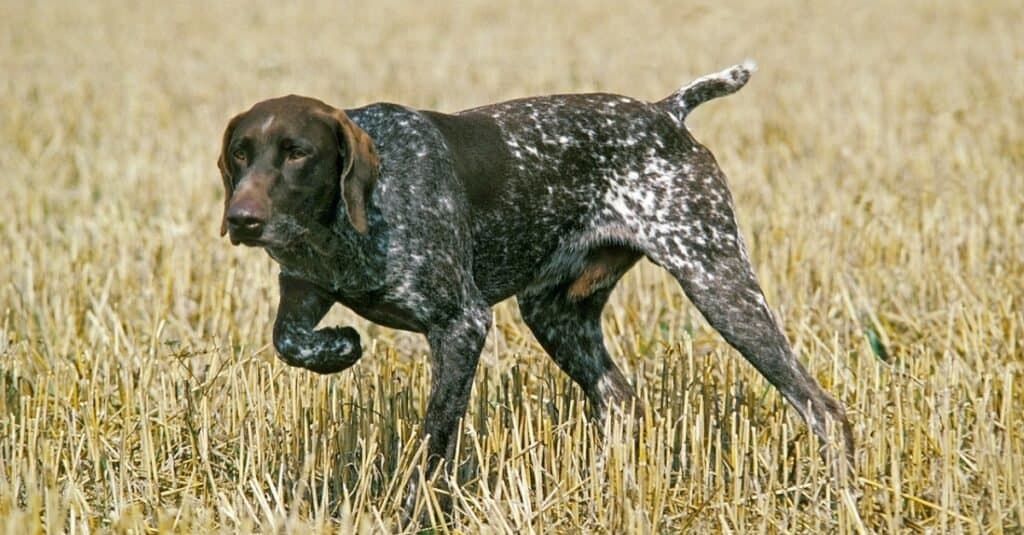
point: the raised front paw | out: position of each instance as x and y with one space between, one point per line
328 350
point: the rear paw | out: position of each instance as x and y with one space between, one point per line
834 431
613 393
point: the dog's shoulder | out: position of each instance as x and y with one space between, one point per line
479 153
412 142
385 121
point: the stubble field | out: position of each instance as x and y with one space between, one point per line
876 161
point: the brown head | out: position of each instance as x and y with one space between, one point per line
292 160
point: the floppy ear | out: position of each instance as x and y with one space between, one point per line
225 171
360 168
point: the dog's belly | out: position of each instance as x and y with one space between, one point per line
516 238
544 250
505 263
579 266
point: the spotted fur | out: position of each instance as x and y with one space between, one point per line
548 199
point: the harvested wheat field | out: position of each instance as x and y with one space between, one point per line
876 162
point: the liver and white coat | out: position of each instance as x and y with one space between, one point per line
421 220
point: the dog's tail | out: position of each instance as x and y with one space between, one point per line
705 88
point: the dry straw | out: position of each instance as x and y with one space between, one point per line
876 162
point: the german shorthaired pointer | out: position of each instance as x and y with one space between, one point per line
422 221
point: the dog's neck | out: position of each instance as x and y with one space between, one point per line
336 257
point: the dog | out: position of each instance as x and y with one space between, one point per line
420 220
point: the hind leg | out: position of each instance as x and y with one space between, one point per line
569 330
717 277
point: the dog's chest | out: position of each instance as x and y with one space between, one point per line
348 286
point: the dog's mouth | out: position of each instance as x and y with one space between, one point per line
247 241
265 239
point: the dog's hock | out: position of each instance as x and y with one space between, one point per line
705 88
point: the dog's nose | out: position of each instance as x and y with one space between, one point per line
249 225
245 220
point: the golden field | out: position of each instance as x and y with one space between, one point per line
877 163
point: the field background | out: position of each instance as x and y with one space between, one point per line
876 160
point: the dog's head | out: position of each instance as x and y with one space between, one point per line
293 160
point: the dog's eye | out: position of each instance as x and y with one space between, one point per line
239 155
297 154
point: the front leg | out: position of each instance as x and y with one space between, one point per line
455 346
299 343
455 349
